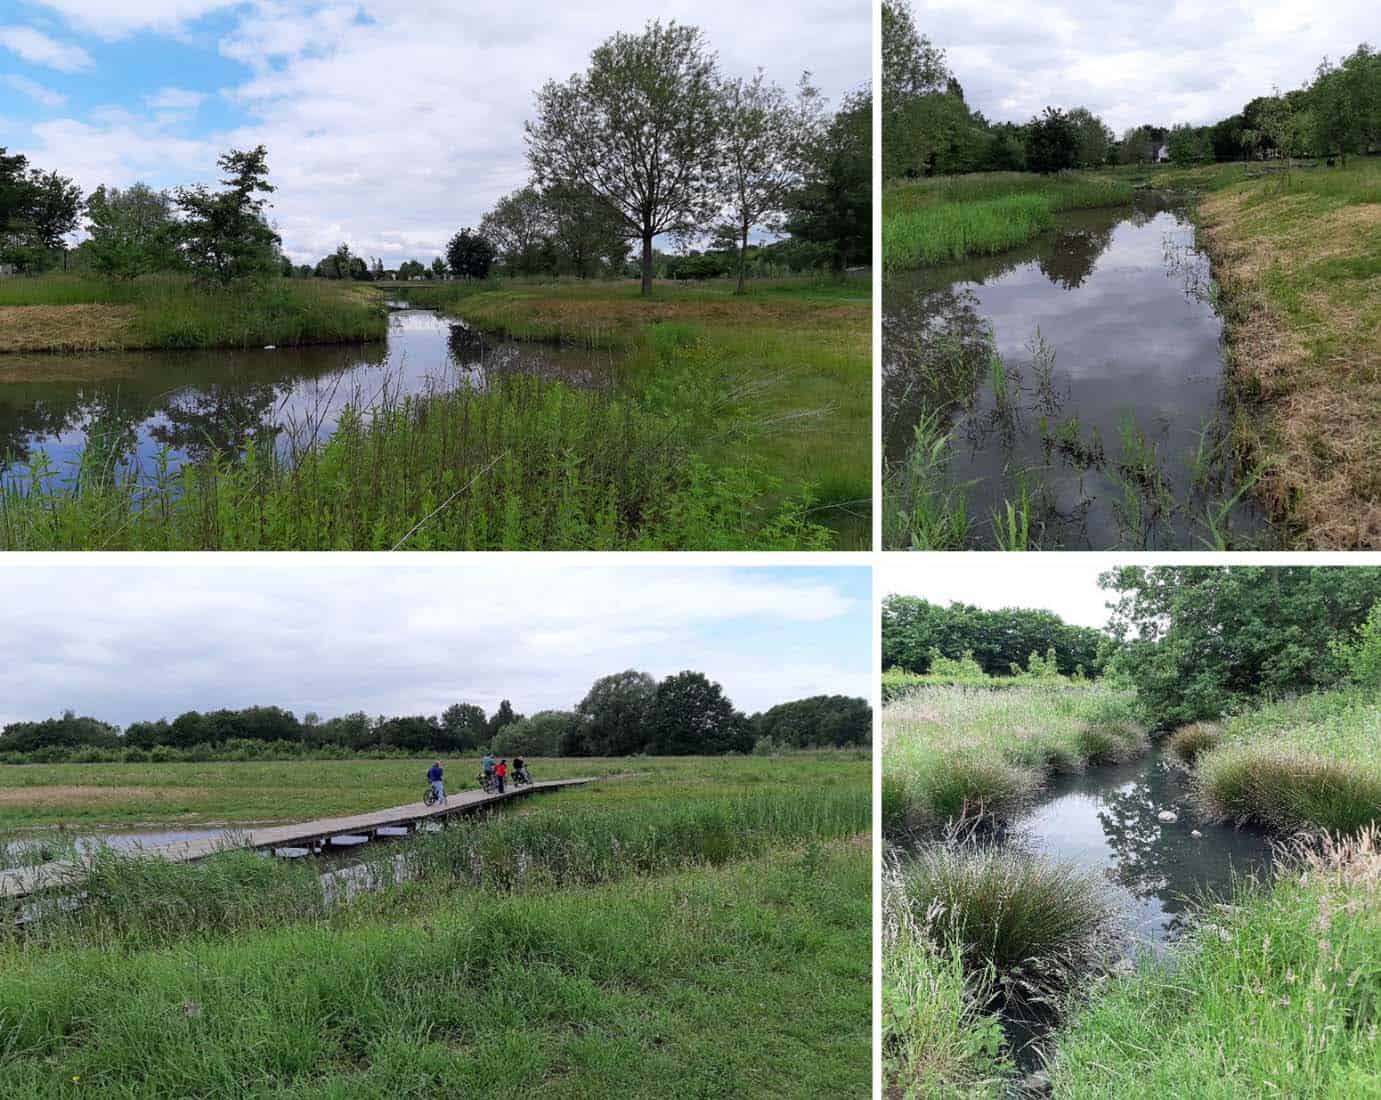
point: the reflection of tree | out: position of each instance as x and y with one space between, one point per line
475 355
221 419
1069 256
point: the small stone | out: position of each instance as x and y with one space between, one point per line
270 347
1168 817
191 1009
1196 834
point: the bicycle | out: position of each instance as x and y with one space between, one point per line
430 797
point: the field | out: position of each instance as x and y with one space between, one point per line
591 942
1299 266
792 357
933 221
962 753
67 313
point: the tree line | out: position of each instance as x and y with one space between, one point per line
914 630
623 714
928 129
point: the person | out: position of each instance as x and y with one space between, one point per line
520 774
488 765
500 771
435 776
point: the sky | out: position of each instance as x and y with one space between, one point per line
389 123
1066 584
1139 61
123 642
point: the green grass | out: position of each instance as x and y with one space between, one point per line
1276 995
929 222
1311 761
962 754
794 356
85 314
668 926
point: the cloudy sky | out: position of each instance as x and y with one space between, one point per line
1066 584
1135 61
389 123
150 639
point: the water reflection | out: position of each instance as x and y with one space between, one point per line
131 410
1081 372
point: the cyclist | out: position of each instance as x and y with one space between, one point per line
488 765
435 776
500 772
520 774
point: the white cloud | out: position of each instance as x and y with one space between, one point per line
38 49
113 19
43 96
175 99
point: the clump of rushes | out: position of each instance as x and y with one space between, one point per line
963 787
1288 789
937 1044
1188 742
1275 995
1030 925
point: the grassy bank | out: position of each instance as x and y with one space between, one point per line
938 220
1275 995
665 927
794 357
1312 761
1299 266
523 464
67 313
961 754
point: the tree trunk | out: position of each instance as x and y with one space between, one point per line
742 259
647 264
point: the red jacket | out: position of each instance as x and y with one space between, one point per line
502 770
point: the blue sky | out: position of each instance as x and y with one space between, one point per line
389 123
152 638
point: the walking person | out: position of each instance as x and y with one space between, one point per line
500 771
436 777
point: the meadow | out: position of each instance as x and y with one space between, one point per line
70 313
591 942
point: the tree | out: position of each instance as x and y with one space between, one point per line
639 129
339 264
439 268
37 209
1200 641
764 136
540 735
834 205
586 232
1345 102
463 726
1184 145
1052 142
1092 138
68 731
410 269
822 721
503 716
1280 124
915 109
520 228
132 231
691 716
225 236
469 255
616 711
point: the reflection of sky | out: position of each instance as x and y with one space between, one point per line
192 402
1109 293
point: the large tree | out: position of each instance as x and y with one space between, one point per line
37 210
616 711
692 716
640 129
520 228
225 234
469 255
834 205
586 231
1052 142
1093 137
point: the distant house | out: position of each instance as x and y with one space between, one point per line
7 270
1162 154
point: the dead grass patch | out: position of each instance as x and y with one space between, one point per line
86 327
28 796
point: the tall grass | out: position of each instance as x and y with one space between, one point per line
1273 995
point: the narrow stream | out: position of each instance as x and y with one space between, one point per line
134 407
1082 373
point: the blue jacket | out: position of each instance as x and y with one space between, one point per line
434 773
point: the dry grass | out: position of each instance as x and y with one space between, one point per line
36 796
1303 290
88 327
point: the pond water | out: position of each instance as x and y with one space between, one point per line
138 406
1082 372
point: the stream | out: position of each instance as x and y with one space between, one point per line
1081 372
139 409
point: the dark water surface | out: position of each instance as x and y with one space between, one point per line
137 406
1106 412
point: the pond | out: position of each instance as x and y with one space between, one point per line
1081 373
140 408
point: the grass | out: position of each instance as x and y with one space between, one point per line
935 221
1299 264
795 356
665 927
67 313
523 464
963 754
1275 995
1312 761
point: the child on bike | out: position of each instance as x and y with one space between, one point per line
488 774
435 776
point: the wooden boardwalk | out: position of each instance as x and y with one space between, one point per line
311 835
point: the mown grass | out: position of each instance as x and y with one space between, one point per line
1275 995
794 355
1311 761
934 221
521 464
66 313
1298 260
961 754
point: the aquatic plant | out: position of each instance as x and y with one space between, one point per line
921 509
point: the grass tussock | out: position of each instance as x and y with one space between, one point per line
1274 995
1189 742
65 313
955 754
